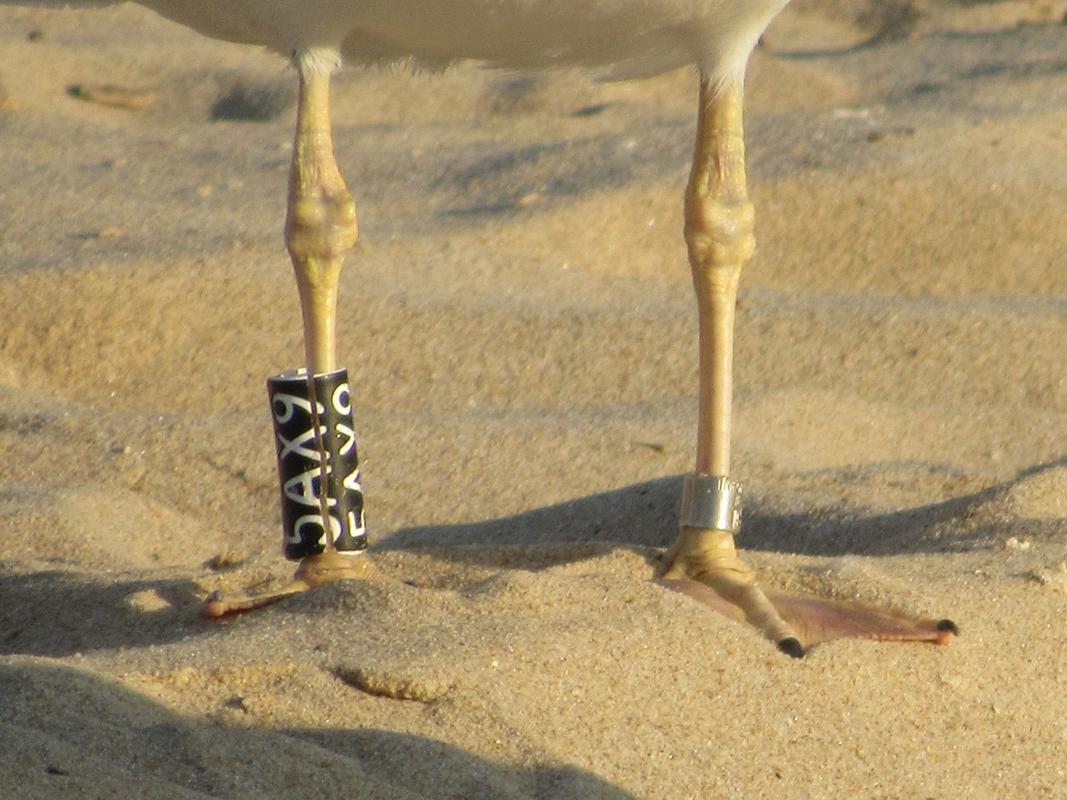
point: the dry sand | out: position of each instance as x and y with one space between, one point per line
519 329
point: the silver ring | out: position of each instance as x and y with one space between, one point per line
710 501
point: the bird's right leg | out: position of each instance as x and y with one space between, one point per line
320 230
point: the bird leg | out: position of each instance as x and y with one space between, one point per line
320 226
719 236
703 562
320 229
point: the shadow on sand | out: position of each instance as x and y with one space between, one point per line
81 609
644 515
68 733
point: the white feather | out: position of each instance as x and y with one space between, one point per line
623 38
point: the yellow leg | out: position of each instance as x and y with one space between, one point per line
703 562
719 235
320 227
320 230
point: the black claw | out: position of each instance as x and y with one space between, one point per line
948 625
791 646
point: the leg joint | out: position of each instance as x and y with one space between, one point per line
321 225
719 232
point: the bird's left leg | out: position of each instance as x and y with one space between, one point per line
703 562
719 235
320 229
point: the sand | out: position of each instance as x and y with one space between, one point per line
519 328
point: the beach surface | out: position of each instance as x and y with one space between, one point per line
519 328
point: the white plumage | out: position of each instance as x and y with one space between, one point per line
624 38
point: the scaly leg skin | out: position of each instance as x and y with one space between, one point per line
320 229
703 562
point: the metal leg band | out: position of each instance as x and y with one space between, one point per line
710 501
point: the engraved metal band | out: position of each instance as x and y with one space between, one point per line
709 501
